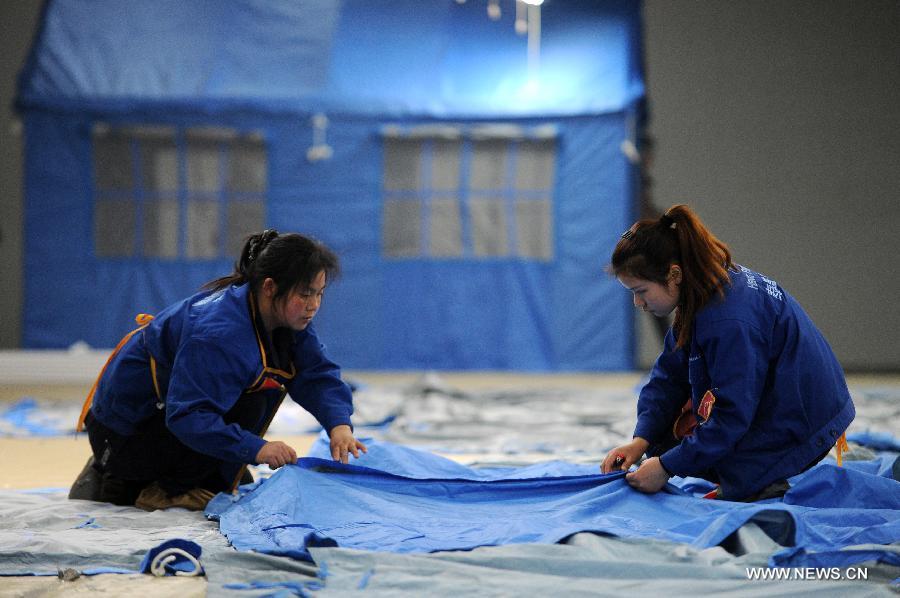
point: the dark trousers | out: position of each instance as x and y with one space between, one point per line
128 464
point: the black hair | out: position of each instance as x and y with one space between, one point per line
288 259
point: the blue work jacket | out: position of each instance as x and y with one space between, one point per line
778 395
200 356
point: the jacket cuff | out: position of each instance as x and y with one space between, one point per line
645 431
664 468
673 462
250 447
340 421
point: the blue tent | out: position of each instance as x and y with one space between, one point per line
474 189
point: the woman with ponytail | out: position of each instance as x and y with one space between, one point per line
180 408
746 392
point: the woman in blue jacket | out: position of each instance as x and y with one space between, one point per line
747 391
181 406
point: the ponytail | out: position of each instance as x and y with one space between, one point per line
650 247
288 259
253 246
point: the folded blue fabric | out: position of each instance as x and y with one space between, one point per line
173 557
318 502
886 465
829 486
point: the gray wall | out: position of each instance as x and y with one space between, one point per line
778 121
17 19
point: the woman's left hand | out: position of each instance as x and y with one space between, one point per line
650 477
343 444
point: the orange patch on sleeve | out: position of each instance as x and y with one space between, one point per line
706 405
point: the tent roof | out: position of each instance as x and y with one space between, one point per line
406 57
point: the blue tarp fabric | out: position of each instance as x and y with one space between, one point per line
28 417
321 503
876 440
833 487
411 57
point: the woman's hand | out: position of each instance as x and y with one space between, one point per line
623 457
275 454
343 444
650 477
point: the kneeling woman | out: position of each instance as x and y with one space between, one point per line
747 391
181 405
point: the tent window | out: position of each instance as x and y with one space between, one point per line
535 170
161 192
113 166
422 208
159 165
401 227
114 227
247 168
444 225
114 210
402 164
159 175
447 196
488 227
161 228
489 165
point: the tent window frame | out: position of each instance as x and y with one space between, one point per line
476 193
178 191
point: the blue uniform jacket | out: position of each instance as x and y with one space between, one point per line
780 397
198 357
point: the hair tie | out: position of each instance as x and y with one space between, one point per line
667 221
259 243
253 250
266 237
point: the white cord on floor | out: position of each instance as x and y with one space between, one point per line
159 562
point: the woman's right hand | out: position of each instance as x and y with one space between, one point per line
627 454
275 454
